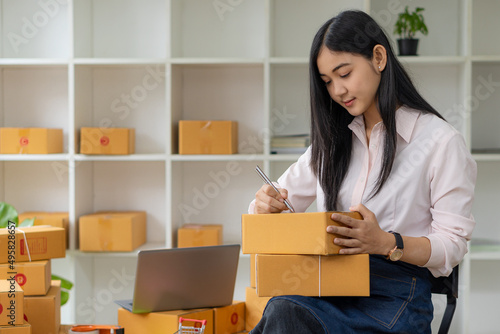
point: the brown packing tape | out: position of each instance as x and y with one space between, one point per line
104 231
206 137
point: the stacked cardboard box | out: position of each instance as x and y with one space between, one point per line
197 235
33 243
44 312
118 231
56 219
11 303
29 267
292 254
221 320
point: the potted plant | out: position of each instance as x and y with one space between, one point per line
407 25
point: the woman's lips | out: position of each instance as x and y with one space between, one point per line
349 103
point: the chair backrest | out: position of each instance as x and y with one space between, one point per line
447 286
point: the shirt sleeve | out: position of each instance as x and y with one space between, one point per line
300 182
453 174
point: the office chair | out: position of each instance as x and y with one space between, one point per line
447 286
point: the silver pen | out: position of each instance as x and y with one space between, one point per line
268 181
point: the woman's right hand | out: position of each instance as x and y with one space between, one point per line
267 200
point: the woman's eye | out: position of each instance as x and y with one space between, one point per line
345 75
327 83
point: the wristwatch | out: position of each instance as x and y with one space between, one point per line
397 252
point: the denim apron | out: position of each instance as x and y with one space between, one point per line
400 302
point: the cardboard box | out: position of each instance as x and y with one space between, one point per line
112 231
253 284
254 308
229 319
42 242
107 141
25 328
208 137
290 233
163 322
196 235
11 303
44 312
56 219
32 277
31 141
313 275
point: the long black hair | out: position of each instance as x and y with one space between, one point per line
357 33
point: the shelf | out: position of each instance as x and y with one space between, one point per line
33 62
131 157
433 60
217 157
146 246
34 157
289 60
486 59
216 61
484 255
119 61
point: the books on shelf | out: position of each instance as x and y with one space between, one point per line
290 144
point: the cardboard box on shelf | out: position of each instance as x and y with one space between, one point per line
290 233
42 242
25 328
254 307
107 140
11 303
196 235
313 275
119 231
31 141
32 277
44 312
229 319
162 322
56 219
208 137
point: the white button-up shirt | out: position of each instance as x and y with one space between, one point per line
428 193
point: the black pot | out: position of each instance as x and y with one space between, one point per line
408 46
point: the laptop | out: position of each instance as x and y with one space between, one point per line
184 278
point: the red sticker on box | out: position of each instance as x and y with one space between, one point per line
1 308
25 318
20 279
104 141
234 318
24 141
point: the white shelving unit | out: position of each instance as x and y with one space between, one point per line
149 63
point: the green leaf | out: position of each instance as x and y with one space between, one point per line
408 24
27 222
65 284
7 213
64 297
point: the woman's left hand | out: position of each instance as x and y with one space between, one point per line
361 236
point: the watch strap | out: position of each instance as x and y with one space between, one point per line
399 240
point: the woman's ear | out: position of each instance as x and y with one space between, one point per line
379 59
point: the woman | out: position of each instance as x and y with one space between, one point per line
379 148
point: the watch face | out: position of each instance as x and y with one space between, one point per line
397 254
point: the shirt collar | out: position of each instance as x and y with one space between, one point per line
406 118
